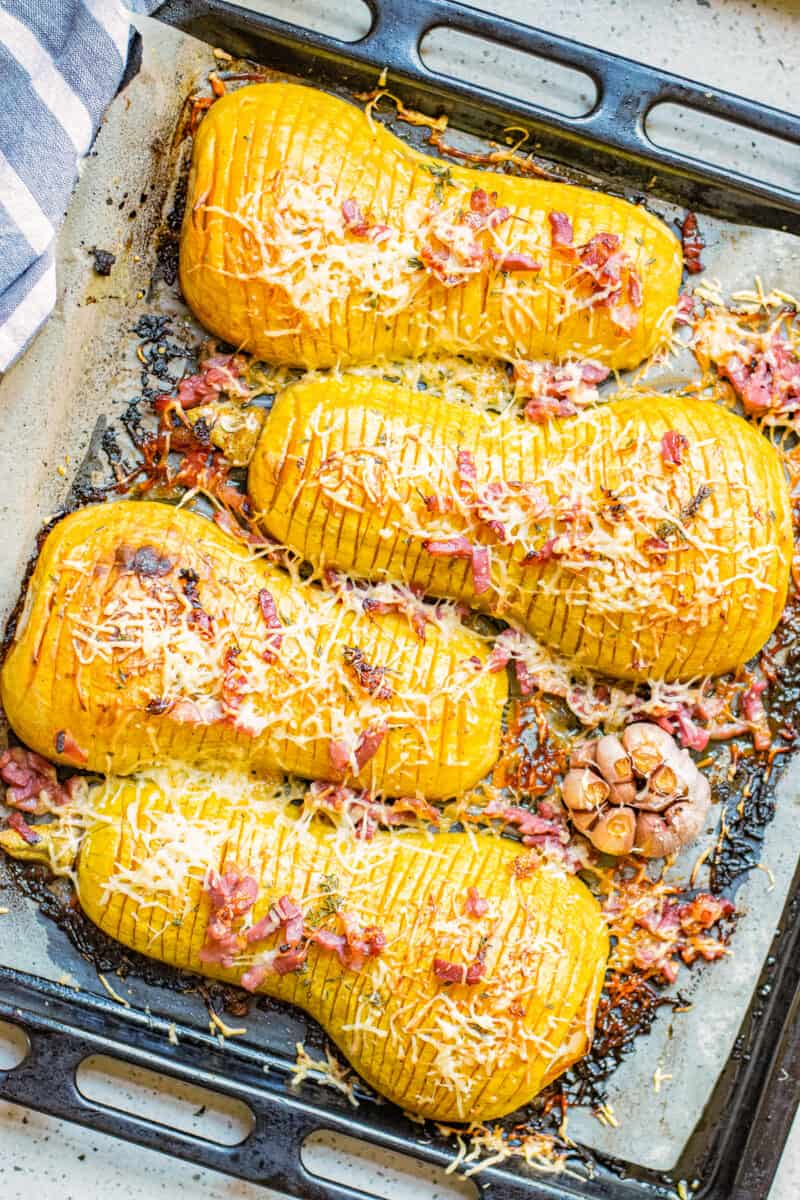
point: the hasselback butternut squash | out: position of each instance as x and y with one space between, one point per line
374 939
647 537
314 236
148 635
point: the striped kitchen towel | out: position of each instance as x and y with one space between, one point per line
61 62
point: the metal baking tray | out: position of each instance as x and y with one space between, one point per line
83 366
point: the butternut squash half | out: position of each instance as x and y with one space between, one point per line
314 236
148 635
648 537
456 978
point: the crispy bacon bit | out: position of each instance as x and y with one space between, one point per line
467 471
469 974
366 814
673 447
32 783
371 678
220 373
354 945
356 223
766 381
365 748
234 681
546 829
684 310
484 207
461 547
475 905
693 244
16 821
198 617
680 723
513 260
230 896
756 715
146 562
368 744
561 227
285 914
698 915
157 706
499 658
551 390
481 570
525 680
656 547
272 621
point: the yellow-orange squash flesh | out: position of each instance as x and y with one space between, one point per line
447 1051
620 559
270 262
142 641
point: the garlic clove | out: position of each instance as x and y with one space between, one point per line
615 832
584 790
648 745
612 759
623 793
583 754
654 838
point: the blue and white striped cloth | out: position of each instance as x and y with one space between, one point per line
61 62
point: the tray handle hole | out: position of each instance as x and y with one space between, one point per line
164 1101
724 143
14 1046
345 20
507 71
381 1173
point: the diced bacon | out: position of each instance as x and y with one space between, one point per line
689 733
32 783
656 547
475 905
673 447
481 570
525 680
338 754
365 749
663 922
373 679
354 945
234 682
254 976
356 223
557 390
455 547
231 891
467 471
269 612
498 660
220 373
368 744
438 505
693 244
464 973
704 911
561 228
291 960
484 208
756 715
767 381
326 939
16 821
684 310
514 260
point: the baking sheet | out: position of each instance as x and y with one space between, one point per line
82 371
